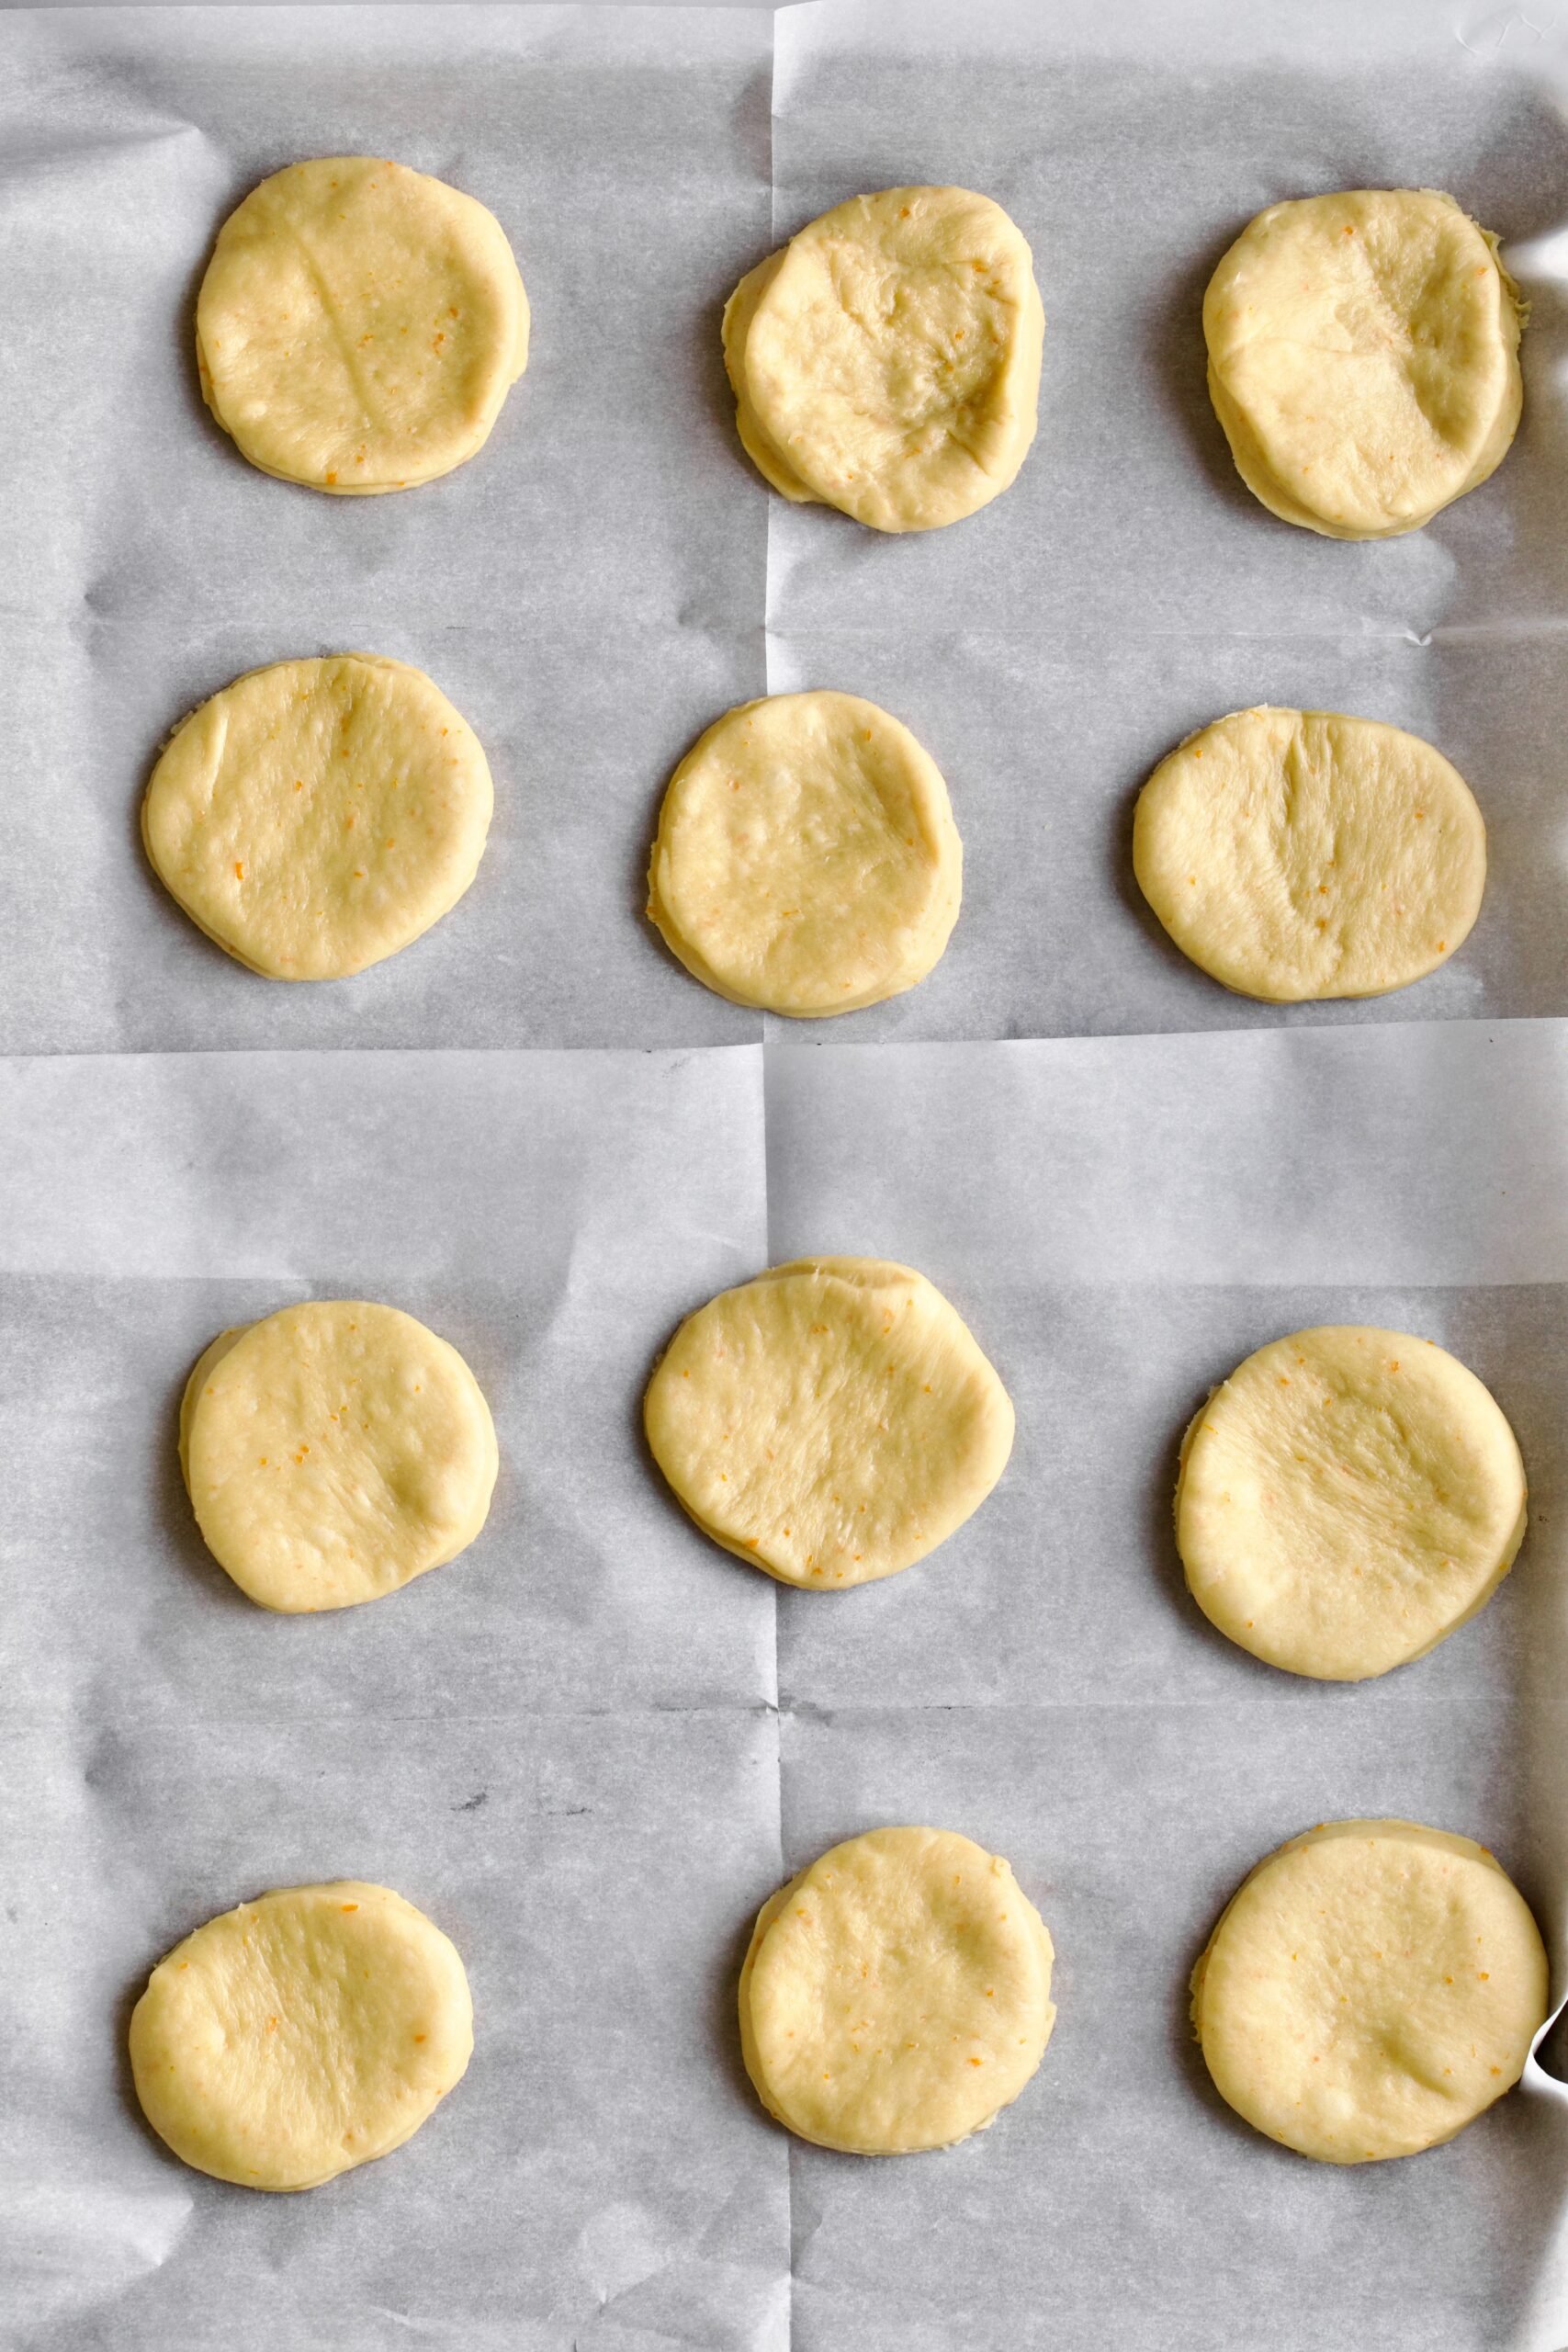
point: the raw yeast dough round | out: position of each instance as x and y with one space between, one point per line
887 360
1347 1498
1300 853
806 859
316 816
897 1994
335 1451
1363 358
300 2035
1370 1989
359 325
830 1422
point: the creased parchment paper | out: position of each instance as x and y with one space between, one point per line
593 1744
609 574
589 589
1128 589
562 1746
1121 1221
590 1746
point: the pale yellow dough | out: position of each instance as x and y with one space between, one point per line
1363 358
1301 853
359 325
1347 1498
335 1451
739 312
1370 1990
897 1994
887 360
316 816
806 859
831 1421
300 2035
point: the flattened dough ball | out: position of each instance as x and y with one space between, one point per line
1363 358
332 1452
359 325
302 2034
1347 1498
831 1421
897 1994
886 361
806 859
314 817
1370 1990
1300 853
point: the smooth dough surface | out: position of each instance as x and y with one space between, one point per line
316 816
1302 853
897 1994
302 2034
739 312
806 859
359 325
1370 1990
1363 358
335 1451
887 360
1347 1498
831 1421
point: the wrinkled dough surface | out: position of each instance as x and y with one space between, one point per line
806 859
888 361
316 816
830 1422
335 1451
1297 855
359 325
1370 1990
897 1994
302 2034
1347 1498
1363 358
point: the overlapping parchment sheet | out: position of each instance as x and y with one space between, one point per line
589 589
565 1744
593 588
1121 1221
561 1746
1127 589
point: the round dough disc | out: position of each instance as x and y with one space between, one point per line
300 2035
1370 1989
1363 358
316 816
897 1994
806 859
359 325
333 1450
1300 853
889 364
830 1422
1347 1498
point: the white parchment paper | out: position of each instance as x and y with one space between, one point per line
1121 1222
595 587
563 1746
1128 588
589 589
592 1745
